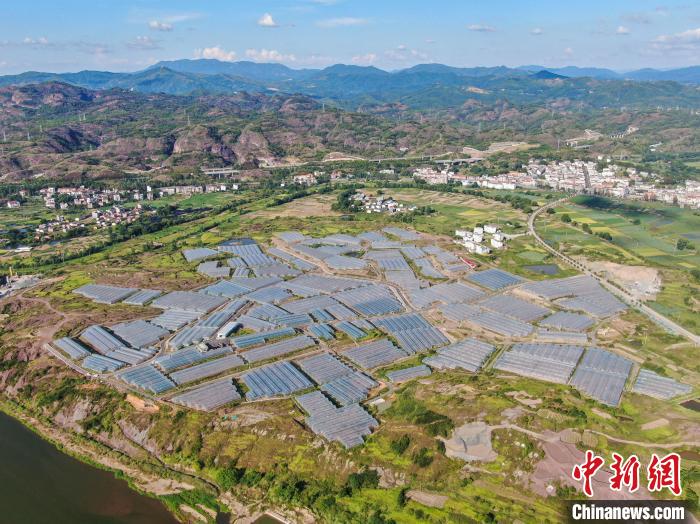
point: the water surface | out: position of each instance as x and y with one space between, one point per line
41 485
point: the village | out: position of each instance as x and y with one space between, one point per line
90 198
577 176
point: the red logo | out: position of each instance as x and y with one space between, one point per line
587 470
625 473
665 473
661 473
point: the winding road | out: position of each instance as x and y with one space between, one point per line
630 300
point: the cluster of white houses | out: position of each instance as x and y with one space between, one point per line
60 224
116 215
101 219
380 204
65 197
473 240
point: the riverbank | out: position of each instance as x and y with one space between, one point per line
156 481
42 485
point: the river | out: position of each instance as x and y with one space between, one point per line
41 485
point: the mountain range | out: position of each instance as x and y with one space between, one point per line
424 86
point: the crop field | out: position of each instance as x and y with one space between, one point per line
643 234
456 211
648 231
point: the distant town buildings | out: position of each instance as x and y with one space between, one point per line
511 180
611 180
431 176
98 219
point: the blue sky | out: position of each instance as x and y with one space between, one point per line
128 35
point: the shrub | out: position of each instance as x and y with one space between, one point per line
400 445
422 458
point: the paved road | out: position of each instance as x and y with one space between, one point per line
654 315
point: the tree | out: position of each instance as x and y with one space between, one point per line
566 218
345 201
682 244
400 445
422 458
368 478
401 498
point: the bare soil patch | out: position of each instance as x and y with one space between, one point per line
642 281
432 500
658 423
141 404
556 467
304 207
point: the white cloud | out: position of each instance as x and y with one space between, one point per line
143 43
268 55
41 41
480 28
622 30
366 59
536 31
689 36
341 22
685 41
216 53
266 20
157 25
568 52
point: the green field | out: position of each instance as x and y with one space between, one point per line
643 234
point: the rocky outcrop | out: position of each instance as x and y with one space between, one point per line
138 435
147 147
252 148
201 139
67 139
